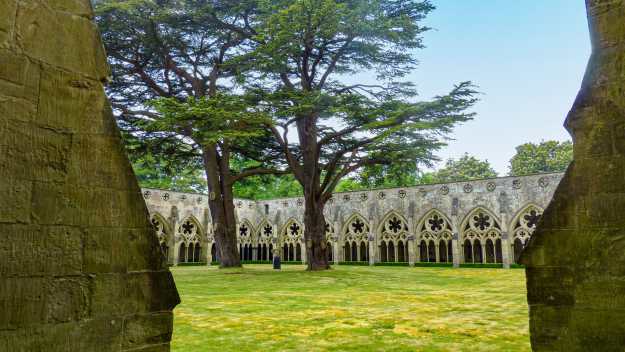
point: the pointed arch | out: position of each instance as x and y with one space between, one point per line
393 227
355 233
191 230
292 231
525 221
434 225
264 231
163 233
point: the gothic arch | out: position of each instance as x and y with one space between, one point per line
355 239
190 241
522 227
392 236
480 230
245 231
434 236
163 233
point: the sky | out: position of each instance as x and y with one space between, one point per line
526 56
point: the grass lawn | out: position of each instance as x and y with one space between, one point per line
350 308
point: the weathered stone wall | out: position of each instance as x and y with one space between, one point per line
80 267
576 260
506 210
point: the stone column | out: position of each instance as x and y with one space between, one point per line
372 250
411 250
505 243
456 245
336 247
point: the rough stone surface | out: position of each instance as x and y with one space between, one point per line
80 265
576 258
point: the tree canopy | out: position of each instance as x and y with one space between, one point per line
464 168
546 156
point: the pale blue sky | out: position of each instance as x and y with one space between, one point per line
526 56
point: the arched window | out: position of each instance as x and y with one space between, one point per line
264 255
356 231
450 252
477 252
291 252
364 253
431 252
523 226
434 228
182 253
400 252
518 248
285 252
197 255
442 251
468 251
490 251
423 251
479 227
354 252
298 252
270 253
498 252
347 252
391 251
383 252
190 252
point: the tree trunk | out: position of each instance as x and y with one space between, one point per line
221 204
315 235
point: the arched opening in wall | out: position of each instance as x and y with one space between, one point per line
285 252
356 231
423 251
468 251
450 252
197 253
182 253
270 253
214 253
523 226
383 252
298 252
393 229
490 251
498 251
162 233
330 252
431 252
477 252
347 252
364 253
518 248
401 257
442 251
190 252
264 252
481 227
291 252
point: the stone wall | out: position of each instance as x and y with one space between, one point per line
80 266
432 223
576 260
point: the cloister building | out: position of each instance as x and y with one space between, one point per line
483 221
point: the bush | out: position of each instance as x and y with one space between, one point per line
517 266
192 264
434 265
482 265
256 262
353 263
392 264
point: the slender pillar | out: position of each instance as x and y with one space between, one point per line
411 250
505 243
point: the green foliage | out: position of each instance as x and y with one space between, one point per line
391 264
354 263
433 265
306 48
268 187
546 156
481 265
160 173
464 169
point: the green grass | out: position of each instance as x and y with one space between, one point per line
350 308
